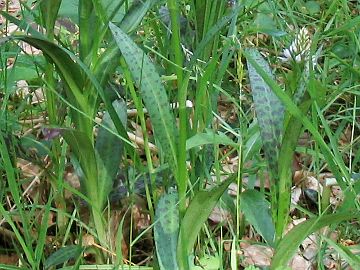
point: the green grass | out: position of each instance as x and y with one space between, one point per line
249 110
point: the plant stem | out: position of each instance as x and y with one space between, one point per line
182 175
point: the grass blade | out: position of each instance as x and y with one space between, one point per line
134 16
13 185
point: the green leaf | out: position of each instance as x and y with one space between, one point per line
23 25
116 13
108 150
85 154
257 211
212 32
207 263
196 214
269 110
71 73
63 255
134 16
68 70
166 230
153 93
345 253
13 183
264 23
49 12
23 69
313 7
210 137
10 267
69 8
290 243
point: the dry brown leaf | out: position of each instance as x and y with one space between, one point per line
312 183
299 263
337 196
295 197
9 259
219 215
258 255
88 240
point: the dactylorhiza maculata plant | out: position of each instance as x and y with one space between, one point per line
299 49
279 133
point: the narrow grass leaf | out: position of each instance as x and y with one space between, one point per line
22 24
42 232
153 93
12 182
100 10
269 110
290 243
257 211
213 31
166 230
10 267
108 150
119 240
63 255
135 14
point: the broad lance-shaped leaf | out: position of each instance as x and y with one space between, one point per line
196 214
257 211
269 111
49 12
152 91
287 247
166 230
108 151
63 254
83 150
